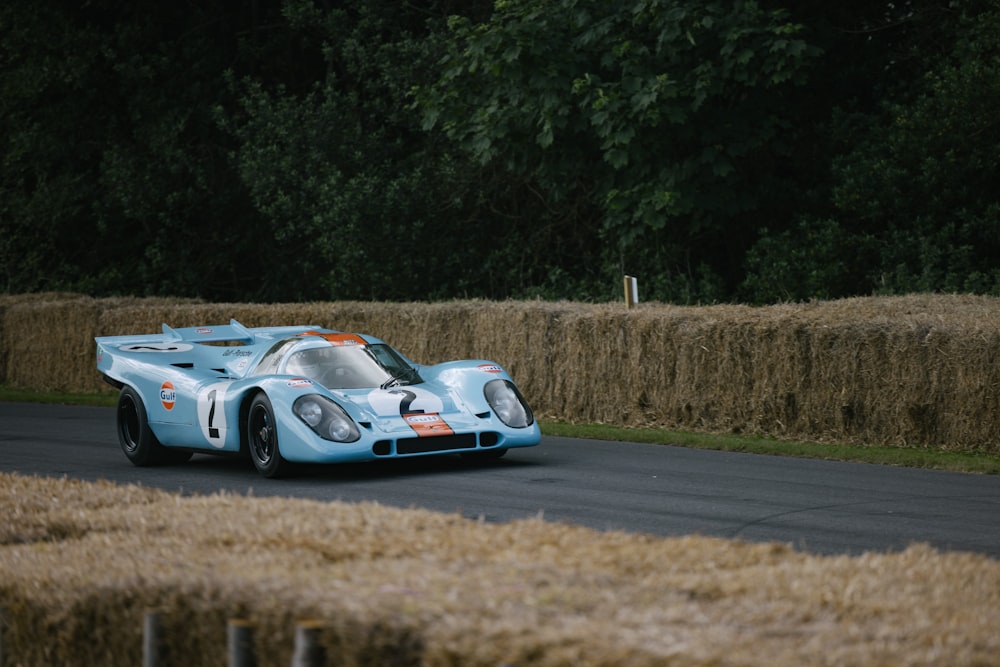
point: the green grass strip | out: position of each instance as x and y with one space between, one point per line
911 457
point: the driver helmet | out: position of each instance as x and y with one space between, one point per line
305 363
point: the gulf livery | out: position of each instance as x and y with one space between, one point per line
303 394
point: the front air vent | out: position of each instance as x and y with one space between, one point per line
440 443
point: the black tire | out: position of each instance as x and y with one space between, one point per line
136 438
262 438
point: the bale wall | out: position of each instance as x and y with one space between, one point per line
81 562
909 371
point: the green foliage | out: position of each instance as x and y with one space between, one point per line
351 193
114 180
818 259
47 154
910 202
922 178
649 105
162 173
523 148
652 116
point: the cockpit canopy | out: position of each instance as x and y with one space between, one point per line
338 366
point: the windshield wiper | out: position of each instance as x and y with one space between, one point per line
398 377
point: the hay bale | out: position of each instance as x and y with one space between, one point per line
905 371
48 345
81 562
915 371
8 301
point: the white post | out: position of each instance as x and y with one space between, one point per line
631 285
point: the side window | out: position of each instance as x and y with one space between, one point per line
272 358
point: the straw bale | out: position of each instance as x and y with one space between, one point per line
49 344
914 371
7 301
81 562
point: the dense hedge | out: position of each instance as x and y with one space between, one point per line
755 151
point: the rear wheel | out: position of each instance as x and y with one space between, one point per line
136 438
262 438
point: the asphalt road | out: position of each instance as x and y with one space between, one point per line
817 506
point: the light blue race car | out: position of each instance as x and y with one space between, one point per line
303 394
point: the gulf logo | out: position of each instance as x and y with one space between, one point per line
490 368
168 395
423 419
427 425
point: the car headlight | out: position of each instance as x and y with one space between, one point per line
327 419
508 404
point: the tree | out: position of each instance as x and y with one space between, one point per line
924 179
115 179
657 122
49 156
152 135
360 205
912 147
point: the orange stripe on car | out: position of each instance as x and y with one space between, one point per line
338 338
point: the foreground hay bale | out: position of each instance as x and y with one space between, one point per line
80 562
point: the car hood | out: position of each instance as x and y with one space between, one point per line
387 407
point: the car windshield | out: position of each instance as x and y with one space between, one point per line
351 366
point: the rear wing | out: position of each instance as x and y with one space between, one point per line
234 332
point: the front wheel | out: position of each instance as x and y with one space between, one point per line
262 438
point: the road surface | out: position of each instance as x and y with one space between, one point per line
822 507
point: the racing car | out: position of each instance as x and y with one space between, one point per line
303 394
